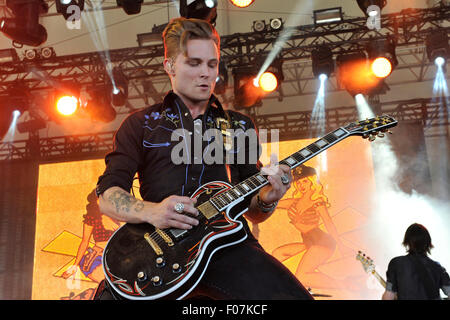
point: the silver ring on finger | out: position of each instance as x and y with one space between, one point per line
285 179
179 207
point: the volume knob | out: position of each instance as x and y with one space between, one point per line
141 276
160 262
176 268
156 281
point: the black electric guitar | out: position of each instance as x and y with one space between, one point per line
369 267
142 262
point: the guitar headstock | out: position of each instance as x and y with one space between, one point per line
372 128
366 262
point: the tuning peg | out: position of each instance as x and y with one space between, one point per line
372 137
380 135
389 131
365 136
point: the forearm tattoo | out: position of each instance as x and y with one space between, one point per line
124 201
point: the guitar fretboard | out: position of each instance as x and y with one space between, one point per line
259 180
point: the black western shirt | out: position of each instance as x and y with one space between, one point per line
151 142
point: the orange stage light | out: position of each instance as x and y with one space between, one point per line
242 3
67 105
381 67
268 82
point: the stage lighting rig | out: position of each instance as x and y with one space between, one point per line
246 94
99 107
276 23
259 25
268 82
12 106
322 61
34 54
328 15
200 9
31 54
64 101
438 49
353 73
118 87
241 3
47 52
66 7
382 57
19 98
24 28
222 79
130 6
8 55
371 7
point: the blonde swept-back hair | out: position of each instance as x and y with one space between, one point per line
179 30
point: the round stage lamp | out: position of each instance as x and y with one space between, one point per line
67 105
241 3
439 61
381 67
268 82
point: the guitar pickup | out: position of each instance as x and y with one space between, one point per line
178 233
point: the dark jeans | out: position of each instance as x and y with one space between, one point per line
242 272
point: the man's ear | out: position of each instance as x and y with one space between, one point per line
168 66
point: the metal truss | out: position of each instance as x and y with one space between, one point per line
58 148
148 81
430 113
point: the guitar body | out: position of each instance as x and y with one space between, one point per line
143 263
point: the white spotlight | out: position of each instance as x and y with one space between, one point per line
364 110
209 3
439 61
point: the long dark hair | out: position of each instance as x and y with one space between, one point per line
417 239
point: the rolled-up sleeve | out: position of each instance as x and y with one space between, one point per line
124 160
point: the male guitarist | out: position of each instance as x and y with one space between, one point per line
415 276
145 144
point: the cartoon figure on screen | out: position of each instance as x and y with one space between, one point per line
88 260
306 209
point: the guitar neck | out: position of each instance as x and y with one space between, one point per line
259 180
379 278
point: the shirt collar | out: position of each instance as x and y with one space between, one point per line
214 104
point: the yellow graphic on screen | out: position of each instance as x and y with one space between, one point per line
71 232
66 244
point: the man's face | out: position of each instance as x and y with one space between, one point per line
194 75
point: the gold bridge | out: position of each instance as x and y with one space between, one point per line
165 237
153 244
